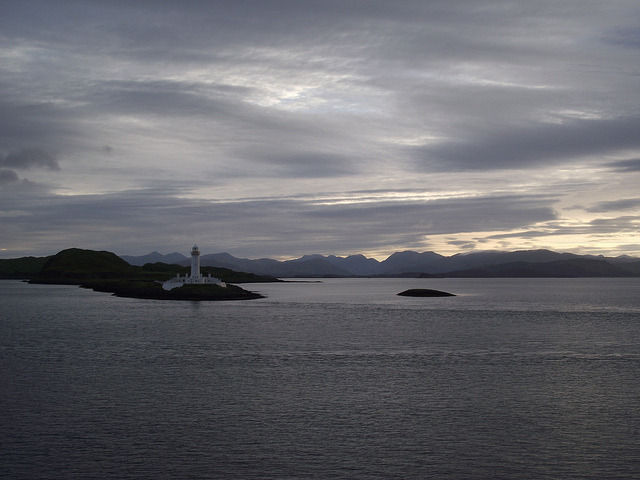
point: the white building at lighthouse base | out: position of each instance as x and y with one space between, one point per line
178 281
194 277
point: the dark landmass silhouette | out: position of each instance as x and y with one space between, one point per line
154 257
106 272
572 268
21 268
425 292
523 263
489 264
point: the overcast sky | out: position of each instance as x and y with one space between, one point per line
283 128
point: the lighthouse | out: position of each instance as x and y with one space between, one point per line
195 277
195 262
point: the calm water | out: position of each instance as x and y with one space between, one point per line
512 379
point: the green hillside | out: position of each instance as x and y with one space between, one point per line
73 264
22 268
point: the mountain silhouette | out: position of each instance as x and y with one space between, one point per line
521 263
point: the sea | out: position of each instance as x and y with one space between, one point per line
330 379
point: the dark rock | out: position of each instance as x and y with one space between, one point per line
425 292
154 291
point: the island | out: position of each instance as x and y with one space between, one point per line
104 271
153 291
425 292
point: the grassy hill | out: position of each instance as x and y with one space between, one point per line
74 264
21 268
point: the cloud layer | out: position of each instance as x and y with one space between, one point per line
293 127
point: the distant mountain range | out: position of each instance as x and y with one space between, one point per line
524 263
153 257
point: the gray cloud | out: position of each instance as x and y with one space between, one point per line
441 217
624 223
463 244
631 248
616 205
598 226
285 226
29 158
155 98
627 37
306 164
8 176
529 234
535 144
24 123
632 165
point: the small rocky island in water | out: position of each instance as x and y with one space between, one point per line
106 272
425 292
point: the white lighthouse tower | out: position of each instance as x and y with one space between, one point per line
195 262
195 276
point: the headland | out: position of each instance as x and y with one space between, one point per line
104 271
